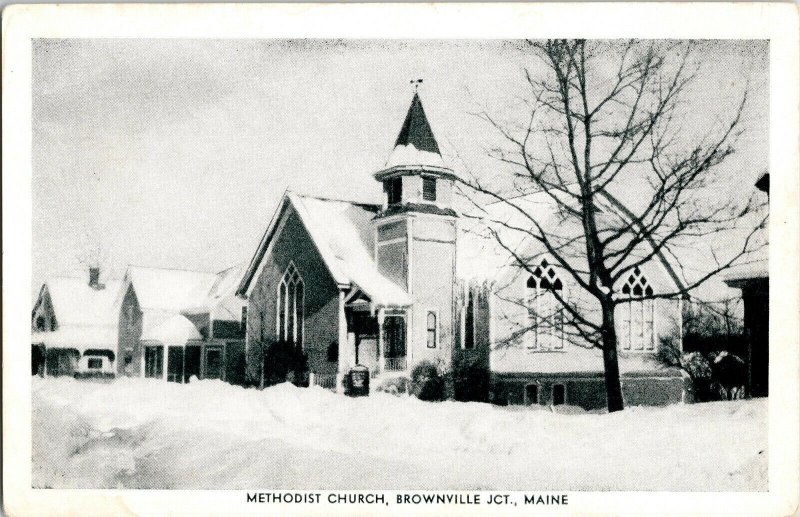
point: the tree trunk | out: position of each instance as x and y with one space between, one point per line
610 362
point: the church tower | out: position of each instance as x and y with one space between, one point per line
415 239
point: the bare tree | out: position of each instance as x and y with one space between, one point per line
601 116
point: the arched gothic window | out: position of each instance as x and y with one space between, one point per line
291 308
637 325
545 311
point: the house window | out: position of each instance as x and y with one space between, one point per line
559 394
291 306
394 190
95 363
637 325
244 319
469 321
429 189
154 362
544 297
40 323
333 352
433 331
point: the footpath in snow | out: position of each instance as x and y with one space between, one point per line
142 433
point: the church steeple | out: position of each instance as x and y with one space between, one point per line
415 173
416 130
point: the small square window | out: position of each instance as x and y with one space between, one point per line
95 363
429 189
394 190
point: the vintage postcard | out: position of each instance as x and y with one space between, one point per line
458 259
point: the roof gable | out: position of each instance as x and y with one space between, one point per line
77 303
343 235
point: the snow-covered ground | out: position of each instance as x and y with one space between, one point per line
149 434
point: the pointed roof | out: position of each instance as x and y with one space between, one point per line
415 148
416 130
343 234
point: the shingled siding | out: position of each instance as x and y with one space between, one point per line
130 352
321 294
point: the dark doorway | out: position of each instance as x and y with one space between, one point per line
213 369
175 364
559 394
531 394
191 363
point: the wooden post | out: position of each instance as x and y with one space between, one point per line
381 354
343 350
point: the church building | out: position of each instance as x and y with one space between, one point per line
390 284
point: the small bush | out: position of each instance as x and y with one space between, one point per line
470 380
427 383
285 362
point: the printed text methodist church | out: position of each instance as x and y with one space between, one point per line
389 285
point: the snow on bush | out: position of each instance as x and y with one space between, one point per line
146 433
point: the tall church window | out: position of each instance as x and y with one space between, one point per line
394 190
429 189
637 325
469 321
545 310
291 306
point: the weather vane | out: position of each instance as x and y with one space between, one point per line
416 83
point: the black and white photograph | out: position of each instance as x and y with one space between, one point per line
285 265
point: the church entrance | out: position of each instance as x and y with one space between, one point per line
394 343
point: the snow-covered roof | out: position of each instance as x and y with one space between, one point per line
684 262
342 232
79 337
75 302
175 291
86 316
221 297
174 331
170 289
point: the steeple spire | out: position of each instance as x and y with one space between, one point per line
415 149
416 130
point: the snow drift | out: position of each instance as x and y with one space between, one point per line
142 433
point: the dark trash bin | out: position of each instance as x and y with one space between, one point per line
357 381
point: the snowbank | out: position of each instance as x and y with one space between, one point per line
149 434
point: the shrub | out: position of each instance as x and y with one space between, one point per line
427 382
470 380
285 362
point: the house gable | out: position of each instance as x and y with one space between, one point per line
43 316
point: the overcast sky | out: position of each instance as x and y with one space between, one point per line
174 153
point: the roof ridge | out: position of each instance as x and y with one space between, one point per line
176 269
348 201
